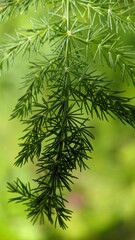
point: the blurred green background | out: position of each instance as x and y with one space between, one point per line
103 198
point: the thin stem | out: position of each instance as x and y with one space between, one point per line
67 52
67 13
66 85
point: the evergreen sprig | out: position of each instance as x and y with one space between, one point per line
14 7
62 92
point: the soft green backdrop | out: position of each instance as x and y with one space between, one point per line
103 199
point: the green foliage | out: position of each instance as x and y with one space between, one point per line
63 92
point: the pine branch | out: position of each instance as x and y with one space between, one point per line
12 7
105 48
34 81
23 190
25 41
117 14
62 93
99 98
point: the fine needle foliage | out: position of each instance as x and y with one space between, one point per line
64 90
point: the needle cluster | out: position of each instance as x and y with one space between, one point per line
62 92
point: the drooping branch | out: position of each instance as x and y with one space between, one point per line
63 93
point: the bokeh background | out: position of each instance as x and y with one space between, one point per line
103 197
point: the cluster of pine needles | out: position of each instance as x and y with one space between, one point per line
64 90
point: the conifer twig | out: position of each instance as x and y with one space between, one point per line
62 92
